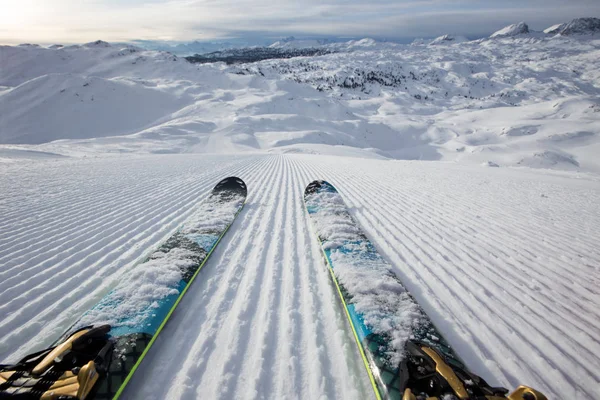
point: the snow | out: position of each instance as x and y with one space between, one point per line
582 26
134 300
132 303
503 260
473 168
447 39
109 107
420 42
97 43
465 102
512 30
579 27
293 43
554 29
377 295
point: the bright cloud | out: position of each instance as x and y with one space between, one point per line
70 21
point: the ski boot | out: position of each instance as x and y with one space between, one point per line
67 371
431 377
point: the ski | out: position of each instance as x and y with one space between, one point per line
97 357
404 354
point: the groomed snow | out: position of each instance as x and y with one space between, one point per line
505 261
496 234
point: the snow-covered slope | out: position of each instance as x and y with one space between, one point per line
505 261
520 28
95 106
466 102
508 102
293 43
578 27
554 29
447 39
582 26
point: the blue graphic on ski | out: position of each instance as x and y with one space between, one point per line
138 308
386 321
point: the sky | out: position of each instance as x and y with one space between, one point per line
80 21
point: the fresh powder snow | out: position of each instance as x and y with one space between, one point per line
377 295
133 302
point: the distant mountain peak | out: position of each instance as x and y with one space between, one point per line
448 39
554 29
581 26
512 30
293 42
97 43
365 42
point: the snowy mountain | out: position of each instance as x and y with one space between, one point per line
512 30
473 169
199 47
420 42
207 46
581 26
97 44
554 29
447 39
578 26
254 54
291 42
471 102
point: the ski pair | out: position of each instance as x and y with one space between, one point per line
405 356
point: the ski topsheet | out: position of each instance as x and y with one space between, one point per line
382 313
138 308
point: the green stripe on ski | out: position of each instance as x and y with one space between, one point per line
139 361
354 333
374 299
360 346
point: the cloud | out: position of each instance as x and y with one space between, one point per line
71 21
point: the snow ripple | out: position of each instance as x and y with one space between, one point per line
505 262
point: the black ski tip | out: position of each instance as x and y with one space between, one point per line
317 186
231 184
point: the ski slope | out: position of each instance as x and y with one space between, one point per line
504 260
